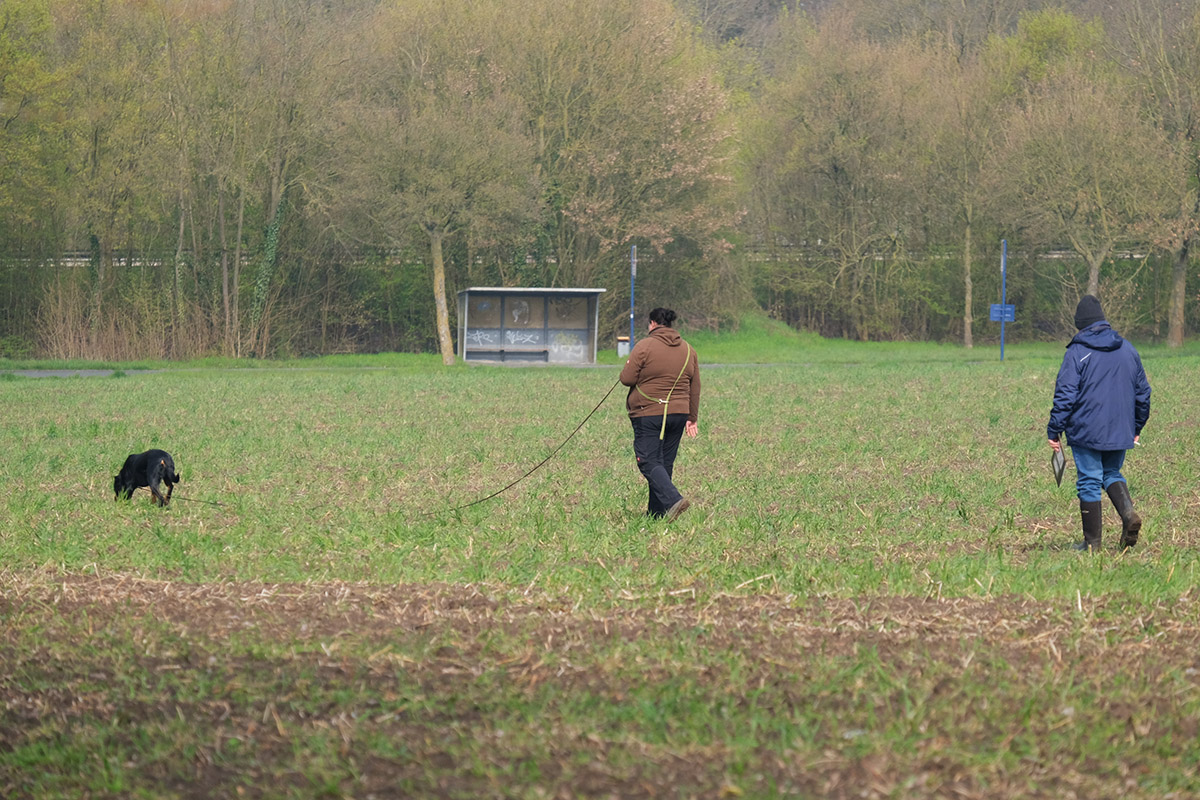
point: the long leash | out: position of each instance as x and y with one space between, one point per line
198 500
540 464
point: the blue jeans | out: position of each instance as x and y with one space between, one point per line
1096 470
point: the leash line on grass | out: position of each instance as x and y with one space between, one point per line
198 500
539 465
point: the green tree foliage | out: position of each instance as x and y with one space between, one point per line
264 177
117 120
32 142
871 170
1044 43
31 130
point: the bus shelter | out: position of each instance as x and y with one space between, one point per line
558 326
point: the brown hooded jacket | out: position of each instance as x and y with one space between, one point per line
651 372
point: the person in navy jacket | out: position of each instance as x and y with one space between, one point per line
1101 402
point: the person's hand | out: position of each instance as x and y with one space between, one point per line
693 430
1056 445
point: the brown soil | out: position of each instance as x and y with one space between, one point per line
444 638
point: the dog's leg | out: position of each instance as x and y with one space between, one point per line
158 498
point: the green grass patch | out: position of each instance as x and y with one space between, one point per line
873 587
844 479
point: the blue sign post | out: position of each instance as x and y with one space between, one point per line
1002 312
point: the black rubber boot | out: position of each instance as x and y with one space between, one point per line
1090 512
1131 523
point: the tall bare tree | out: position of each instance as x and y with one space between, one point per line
842 141
31 130
966 111
1082 167
631 128
1159 43
116 121
432 140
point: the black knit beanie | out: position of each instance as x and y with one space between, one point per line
1088 312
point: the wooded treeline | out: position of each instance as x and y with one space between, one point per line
276 177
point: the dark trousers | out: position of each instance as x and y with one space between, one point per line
656 458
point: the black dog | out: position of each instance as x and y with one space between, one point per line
147 469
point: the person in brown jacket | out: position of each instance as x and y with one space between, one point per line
664 402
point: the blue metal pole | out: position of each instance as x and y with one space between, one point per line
632 280
1003 290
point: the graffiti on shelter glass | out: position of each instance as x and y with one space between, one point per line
519 312
567 346
522 337
478 337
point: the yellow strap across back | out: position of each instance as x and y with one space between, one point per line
663 431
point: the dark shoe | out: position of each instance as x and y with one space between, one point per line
674 511
1090 512
1131 523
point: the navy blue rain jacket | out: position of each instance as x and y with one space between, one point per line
1101 397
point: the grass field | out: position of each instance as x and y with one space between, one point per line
872 595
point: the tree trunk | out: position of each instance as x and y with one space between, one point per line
1175 324
968 289
224 239
103 255
262 285
237 276
175 279
439 298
